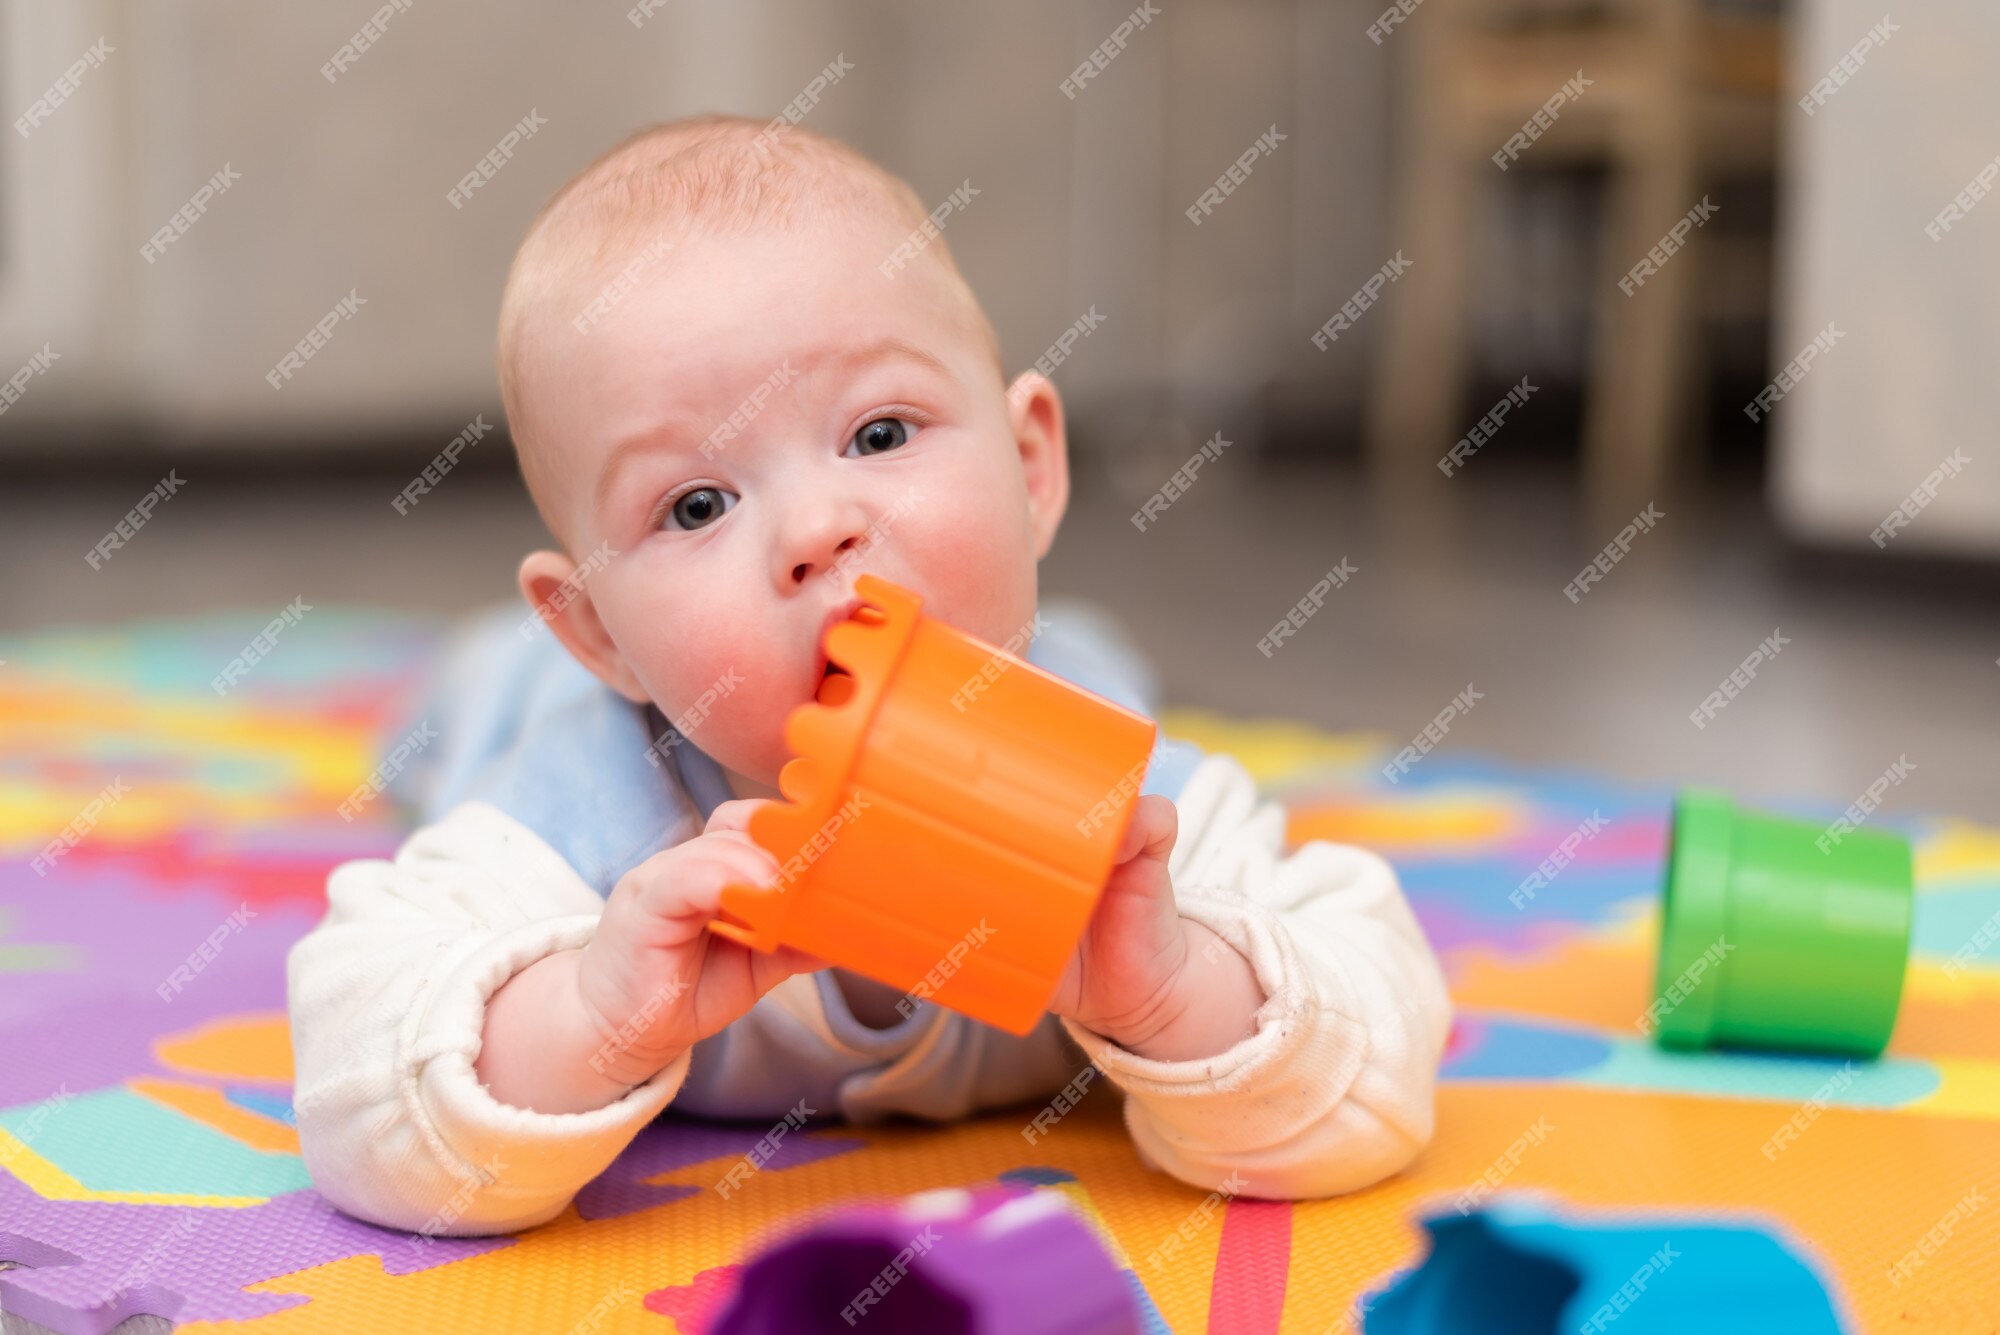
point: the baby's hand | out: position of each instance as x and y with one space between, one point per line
1121 982
654 979
1153 982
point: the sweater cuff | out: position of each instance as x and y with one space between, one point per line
1306 1051
523 1166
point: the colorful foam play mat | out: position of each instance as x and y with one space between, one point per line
149 1164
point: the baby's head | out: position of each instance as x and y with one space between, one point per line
733 389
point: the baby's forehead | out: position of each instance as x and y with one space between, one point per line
845 238
636 342
612 218
758 291
637 221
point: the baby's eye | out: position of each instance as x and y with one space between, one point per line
882 434
700 507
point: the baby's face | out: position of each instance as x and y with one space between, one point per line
760 420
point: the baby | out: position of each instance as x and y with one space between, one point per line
740 369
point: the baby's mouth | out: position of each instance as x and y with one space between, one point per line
835 684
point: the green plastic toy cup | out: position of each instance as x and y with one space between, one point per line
1775 935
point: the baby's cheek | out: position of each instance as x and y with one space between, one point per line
978 568
713 677
727 697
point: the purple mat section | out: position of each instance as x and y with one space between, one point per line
95 1263
112 998
672 1143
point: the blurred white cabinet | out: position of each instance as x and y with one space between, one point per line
1915 372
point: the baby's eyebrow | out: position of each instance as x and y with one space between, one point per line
667 434
672 431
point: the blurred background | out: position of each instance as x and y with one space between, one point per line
1635 216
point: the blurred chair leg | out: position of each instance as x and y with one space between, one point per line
1415 402
1412 412
1640 406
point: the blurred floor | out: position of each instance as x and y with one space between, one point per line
1875 667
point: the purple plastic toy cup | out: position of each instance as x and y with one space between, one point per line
991 1261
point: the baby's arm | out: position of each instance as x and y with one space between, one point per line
476 937
389 998
578 1028
1334 1090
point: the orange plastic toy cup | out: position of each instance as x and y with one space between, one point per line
951 819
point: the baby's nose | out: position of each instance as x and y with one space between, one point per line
805 568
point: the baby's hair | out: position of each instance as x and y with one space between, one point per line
709 174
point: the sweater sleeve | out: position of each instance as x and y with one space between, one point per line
387 1000
1334 1090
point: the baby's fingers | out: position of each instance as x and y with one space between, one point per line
690 883
1154 826
733 815
794 960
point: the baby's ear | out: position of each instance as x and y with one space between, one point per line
1035 415
561 598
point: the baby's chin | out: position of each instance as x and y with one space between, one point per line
739 727
764 756
752 769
